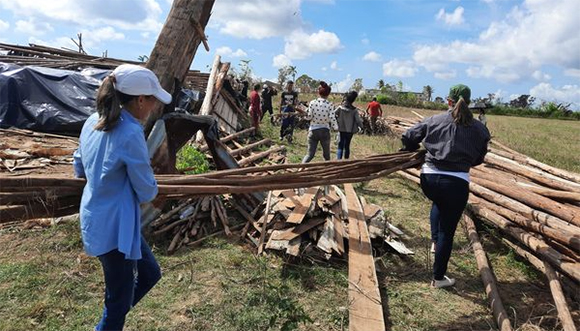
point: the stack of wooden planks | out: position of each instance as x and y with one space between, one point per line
537 208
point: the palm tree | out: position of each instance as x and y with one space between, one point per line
428 92
381 84
292 71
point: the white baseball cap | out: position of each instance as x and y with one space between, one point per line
135 80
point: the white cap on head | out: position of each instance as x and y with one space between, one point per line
135 80
265 86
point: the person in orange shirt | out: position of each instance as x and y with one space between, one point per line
375 111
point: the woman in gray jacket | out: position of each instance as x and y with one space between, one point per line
349 123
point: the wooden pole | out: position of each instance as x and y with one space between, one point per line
207 99
265 223
559 299
176 46
487 277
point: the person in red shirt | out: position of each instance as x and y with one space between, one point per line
375 111
255 110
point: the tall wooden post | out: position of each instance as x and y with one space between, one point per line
176 46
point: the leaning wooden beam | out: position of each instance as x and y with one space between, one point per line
251 159
265 223
559 299
205 148
247 148
207 99
365 310
176 47
487 276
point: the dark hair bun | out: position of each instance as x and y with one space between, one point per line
323 84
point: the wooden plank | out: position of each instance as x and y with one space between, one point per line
296 231
366 310
294 246
303 206
399 246
339 235
327 242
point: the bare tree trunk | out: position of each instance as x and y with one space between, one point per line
176 46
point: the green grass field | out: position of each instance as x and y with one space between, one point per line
48 283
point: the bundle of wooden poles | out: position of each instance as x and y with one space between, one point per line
537 209
26 197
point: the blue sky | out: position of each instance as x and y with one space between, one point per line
507 47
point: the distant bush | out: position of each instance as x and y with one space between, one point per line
545 110
384 99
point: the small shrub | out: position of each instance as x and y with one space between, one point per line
384 99
191 161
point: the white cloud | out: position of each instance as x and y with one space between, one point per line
127 14
398 68
94 38
280 61
324 68
454 18
146 35
445 75
57 42
227 52
515 47
572 72
365 41
33 28
300 45
372 57
344 84
4 26
257 19
567 93
539 75
334 66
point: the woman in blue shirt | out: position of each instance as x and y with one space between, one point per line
113 157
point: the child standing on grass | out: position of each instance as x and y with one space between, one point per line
113 157
349 123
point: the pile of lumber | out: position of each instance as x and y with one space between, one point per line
194 220
24 150
25 197
314 222
535 206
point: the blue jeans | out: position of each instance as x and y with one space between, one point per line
344 145
449 195
126 282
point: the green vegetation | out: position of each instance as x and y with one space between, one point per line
48 283
546 110
191 161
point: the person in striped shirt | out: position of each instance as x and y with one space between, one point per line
321 116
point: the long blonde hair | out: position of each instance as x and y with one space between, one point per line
461 113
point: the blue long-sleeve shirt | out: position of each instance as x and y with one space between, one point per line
119 178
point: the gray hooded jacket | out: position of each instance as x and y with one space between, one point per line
348 119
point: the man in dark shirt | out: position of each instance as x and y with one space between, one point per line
288 102
267 94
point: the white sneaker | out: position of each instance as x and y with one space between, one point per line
445 282
433 247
